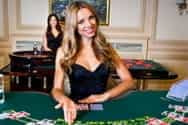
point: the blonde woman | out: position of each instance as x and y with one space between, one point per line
87 59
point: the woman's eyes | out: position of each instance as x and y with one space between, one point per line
90 18
81 21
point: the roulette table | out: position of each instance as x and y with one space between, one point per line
148 69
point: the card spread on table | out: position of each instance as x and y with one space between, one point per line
179 108
178 114
97 107
91 107
45 122
156 121
16 115
177 117
82 107
170 116
86 107
4 115
13 114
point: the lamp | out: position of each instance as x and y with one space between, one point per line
182 6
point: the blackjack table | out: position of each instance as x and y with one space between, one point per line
132 105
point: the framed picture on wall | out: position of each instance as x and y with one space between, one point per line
102 7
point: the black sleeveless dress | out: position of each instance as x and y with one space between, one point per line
54 42
83 82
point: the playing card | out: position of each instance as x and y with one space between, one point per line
92 107
98 107
178 108
185 120
4 115
45 122
17 115
82 107
30 123
156 121
175 116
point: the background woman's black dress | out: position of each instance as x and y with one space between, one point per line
54 42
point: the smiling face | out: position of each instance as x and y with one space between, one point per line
53 21
86 23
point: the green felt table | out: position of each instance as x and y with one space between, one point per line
133 105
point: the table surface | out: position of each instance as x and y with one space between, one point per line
140 69
133 105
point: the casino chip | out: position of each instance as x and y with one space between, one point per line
4 115
45 122
30 123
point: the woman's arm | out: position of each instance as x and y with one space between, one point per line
44 43
66 103
58 87
125 78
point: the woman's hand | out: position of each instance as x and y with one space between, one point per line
95 98
70 110
48 49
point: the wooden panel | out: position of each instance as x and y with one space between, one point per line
3 20
26 45
171 54
132 16
142 26
170 25
27 11
24 41
131 48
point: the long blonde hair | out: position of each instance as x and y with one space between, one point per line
71 42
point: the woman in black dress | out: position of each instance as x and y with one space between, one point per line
88 59
54 35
